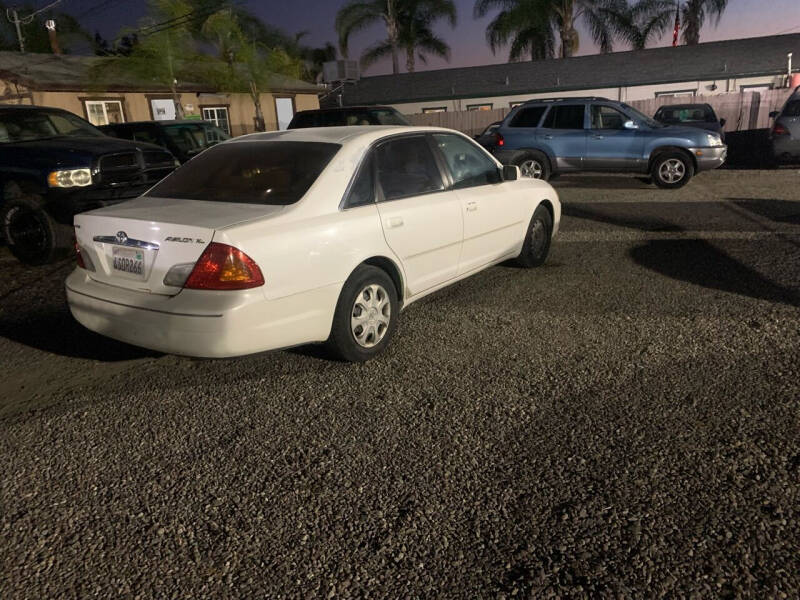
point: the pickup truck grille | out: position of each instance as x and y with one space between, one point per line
135 168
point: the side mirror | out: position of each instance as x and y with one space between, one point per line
510 172
774 114
631 125
722 122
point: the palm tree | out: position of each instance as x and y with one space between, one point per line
531 25
415 34
408 27
694 14
642 22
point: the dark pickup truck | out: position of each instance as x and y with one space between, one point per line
54 165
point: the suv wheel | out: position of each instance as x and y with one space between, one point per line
32 235
534 165
672 170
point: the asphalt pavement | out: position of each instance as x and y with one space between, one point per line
622 422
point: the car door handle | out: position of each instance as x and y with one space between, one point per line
548 137
599 137
393 222
472 206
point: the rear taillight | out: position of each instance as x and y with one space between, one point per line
779 130
498 139
79 256
223 267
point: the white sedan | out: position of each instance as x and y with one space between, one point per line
274 240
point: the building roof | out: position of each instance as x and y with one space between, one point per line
715 60
69 72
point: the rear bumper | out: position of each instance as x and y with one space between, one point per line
709 158
202 323
785 147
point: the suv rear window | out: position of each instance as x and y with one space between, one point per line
335 118
528 117
276 173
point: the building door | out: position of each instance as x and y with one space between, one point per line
218 115
163 109
284 107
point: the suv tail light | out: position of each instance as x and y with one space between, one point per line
779 129
223 267
498 139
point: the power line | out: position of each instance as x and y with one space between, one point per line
17 21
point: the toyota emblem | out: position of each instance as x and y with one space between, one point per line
122 237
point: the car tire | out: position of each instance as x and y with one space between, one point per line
538 237
534 165
30 233
366 315
672 170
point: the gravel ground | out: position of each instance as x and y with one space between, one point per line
623 422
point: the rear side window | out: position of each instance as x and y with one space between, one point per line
565 117
362 192
792 109
275 173
528 117
141 135
406 167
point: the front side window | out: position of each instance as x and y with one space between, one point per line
20 125
276 173
406 167
528 117
605 117
565 116
468 165
104 112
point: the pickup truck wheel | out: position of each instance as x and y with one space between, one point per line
366 315
32 235
672 170
537 239
534 165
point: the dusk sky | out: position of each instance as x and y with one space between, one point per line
744 18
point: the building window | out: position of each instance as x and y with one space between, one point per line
515 104
479 107
104 112
676 93
434 109
218 115
284 110
760 87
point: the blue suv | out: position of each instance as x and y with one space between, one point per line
548 137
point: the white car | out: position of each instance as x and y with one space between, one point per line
274 240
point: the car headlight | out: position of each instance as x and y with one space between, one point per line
70 178
714 140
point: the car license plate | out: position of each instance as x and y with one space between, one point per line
129 261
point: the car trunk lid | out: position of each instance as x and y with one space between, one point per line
134 245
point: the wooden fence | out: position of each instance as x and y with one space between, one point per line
743 111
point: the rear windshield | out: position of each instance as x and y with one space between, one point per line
686 114
792 109
277 173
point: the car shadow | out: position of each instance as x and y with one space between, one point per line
700 263
779 211
606 182
52 329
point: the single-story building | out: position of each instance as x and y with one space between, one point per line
65 82
751 64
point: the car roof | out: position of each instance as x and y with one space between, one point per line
30 107
574 99
335 135
161 122
685 106
344 109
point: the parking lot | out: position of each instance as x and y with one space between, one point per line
623 422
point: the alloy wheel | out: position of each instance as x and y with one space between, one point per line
672 170
532 169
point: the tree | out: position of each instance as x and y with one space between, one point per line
531 26
165 53
242 64
416 34
360 14
694 14
642 22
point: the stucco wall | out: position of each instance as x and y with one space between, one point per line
136 105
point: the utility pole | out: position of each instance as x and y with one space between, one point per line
17 21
